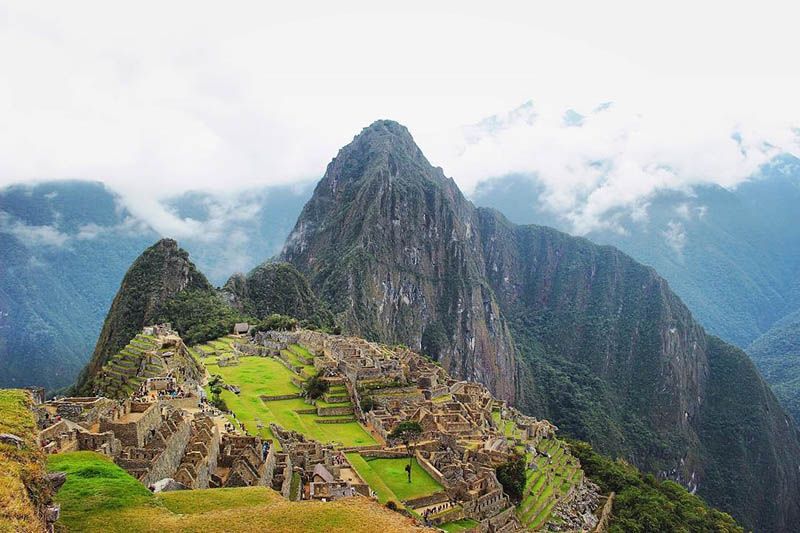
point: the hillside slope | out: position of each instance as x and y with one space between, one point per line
776 353
161 272
276 288
389 243
569 330
730 254
24 490
120 503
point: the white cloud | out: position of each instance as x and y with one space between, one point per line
621 154
36 235
675 235
158 98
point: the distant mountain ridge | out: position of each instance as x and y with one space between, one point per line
571 331
67 244
730 254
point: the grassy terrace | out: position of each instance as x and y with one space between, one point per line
19 467
101 497
389 480
459 525
266 376
545 485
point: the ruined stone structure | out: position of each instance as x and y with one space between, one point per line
244 461
160 436
200 458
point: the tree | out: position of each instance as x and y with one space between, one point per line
409 432
511 475
215 386
316 386
367 404
276 322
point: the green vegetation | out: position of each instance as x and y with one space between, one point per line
276 322
200 315
266 376
22 485
459 525
280 289
94 485
387 477
511 475
101 497
147 286
776 353
316 387
645 504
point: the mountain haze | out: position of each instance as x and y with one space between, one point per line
568 330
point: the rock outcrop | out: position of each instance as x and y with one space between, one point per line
570 331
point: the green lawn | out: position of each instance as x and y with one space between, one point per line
257 376
94 484
389 480
459 525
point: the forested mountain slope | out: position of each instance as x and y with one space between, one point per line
569 330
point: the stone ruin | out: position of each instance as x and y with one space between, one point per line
168 444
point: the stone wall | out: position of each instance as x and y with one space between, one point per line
85 411
334 411
134 432
170 457
430 469
105 443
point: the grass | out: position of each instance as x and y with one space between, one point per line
101 497
21 470
541 493
257 376
388 476
459 525
94 485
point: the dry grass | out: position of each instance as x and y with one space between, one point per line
21 470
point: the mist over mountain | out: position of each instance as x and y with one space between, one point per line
66 246
731 254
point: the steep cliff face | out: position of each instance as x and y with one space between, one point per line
390 244
161 272
575 332
573 303
276 288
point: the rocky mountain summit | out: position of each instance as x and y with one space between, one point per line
578 333
390 244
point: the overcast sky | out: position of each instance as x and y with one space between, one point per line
155 98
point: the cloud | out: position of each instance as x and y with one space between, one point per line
675 235
618 156
36 235
156 99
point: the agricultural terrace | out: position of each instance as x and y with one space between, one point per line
554 474
262 377
101 497
388 478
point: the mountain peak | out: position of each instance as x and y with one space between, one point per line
159 273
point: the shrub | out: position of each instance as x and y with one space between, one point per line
511 475
316 387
